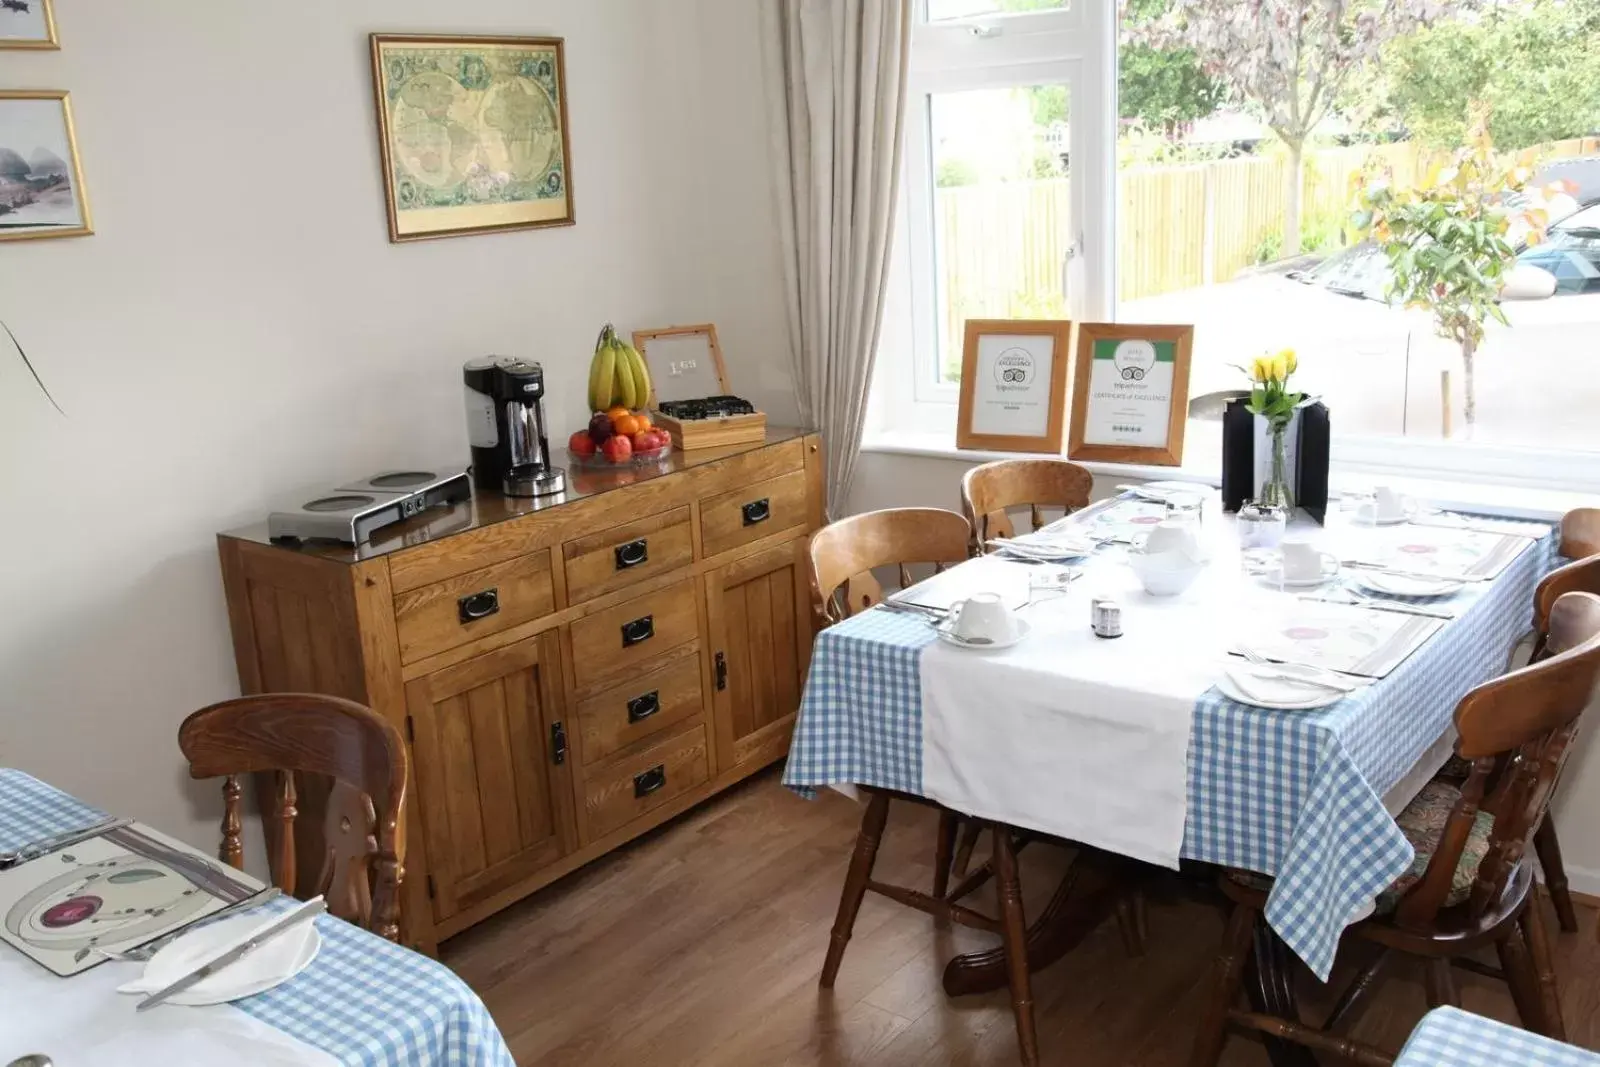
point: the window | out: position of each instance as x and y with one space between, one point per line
998 222
1032 190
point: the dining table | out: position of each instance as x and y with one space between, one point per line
362 1002
1450 1037
1130 748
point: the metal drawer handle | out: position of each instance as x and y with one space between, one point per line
641 629
475 606
632 554
641 708
757 511
648 782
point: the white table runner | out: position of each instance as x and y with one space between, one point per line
84 1022
1076 735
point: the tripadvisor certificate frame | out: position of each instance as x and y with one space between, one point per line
1014 378
1130 397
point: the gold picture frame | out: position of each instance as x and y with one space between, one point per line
1003 387
473 134
1116 406
42 194
44 17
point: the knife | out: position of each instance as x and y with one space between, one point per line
309 910
1400 609
46 845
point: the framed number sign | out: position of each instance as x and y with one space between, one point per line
1014 377
1130 396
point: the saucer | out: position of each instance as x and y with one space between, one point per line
949 638
1405 584
1273 576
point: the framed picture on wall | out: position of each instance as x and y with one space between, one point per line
473 134
1014 377
41 180
28 24
1130 396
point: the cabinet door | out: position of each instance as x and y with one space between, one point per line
759 613
492 771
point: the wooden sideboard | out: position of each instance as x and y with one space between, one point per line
642 643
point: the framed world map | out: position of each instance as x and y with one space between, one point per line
473 133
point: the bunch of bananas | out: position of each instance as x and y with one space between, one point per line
617 375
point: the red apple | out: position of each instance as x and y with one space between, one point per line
618 449
581 443
645 441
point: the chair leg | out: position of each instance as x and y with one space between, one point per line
1537 933
1228 973
1518 968
1014 936
1131 922
1555 874
855 884
970 829
1440 983
943 848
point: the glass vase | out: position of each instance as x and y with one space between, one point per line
1276 491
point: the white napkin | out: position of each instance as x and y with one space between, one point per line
1263 685
271 963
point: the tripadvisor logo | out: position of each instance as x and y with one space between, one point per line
1014 367
1133 360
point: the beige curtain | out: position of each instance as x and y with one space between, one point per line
837 81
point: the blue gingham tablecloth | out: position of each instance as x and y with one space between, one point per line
365 1001
1450 1037
1296 795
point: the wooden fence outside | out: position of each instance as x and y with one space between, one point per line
1002 248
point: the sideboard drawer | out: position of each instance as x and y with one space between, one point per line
744 515
633 632
617 795
438 617
641 707
622 555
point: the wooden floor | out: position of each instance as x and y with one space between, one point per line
700 944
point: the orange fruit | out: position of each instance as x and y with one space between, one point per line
626 426
615 412
643 420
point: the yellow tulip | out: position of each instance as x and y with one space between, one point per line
1280 367
1261 369
1291 361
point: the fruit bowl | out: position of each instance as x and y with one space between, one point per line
595 461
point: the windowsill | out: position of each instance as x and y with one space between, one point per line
1511 501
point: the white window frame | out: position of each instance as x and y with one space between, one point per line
1075 47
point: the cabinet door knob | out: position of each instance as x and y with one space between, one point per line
479 605
641 629
632 554
649 781
757 511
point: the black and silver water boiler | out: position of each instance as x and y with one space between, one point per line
506 427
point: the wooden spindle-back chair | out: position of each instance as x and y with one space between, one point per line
843 556
289 733
1476 890
990 490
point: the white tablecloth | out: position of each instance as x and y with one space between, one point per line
85 1022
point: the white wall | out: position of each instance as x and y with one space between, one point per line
241 328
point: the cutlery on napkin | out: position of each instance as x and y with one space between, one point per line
1304 674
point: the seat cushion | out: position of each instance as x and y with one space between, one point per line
1423 822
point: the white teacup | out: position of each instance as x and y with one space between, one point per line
983 617
1172 536
1386 506
1304 562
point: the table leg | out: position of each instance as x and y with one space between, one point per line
1271 990
1086 897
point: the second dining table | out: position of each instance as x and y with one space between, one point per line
1305 796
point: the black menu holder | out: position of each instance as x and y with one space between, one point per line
1311 458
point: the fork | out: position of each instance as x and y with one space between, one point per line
1312 676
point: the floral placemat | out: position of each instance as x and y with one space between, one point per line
1439 551
1339 637
1118 519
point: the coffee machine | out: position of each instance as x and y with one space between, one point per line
505 424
